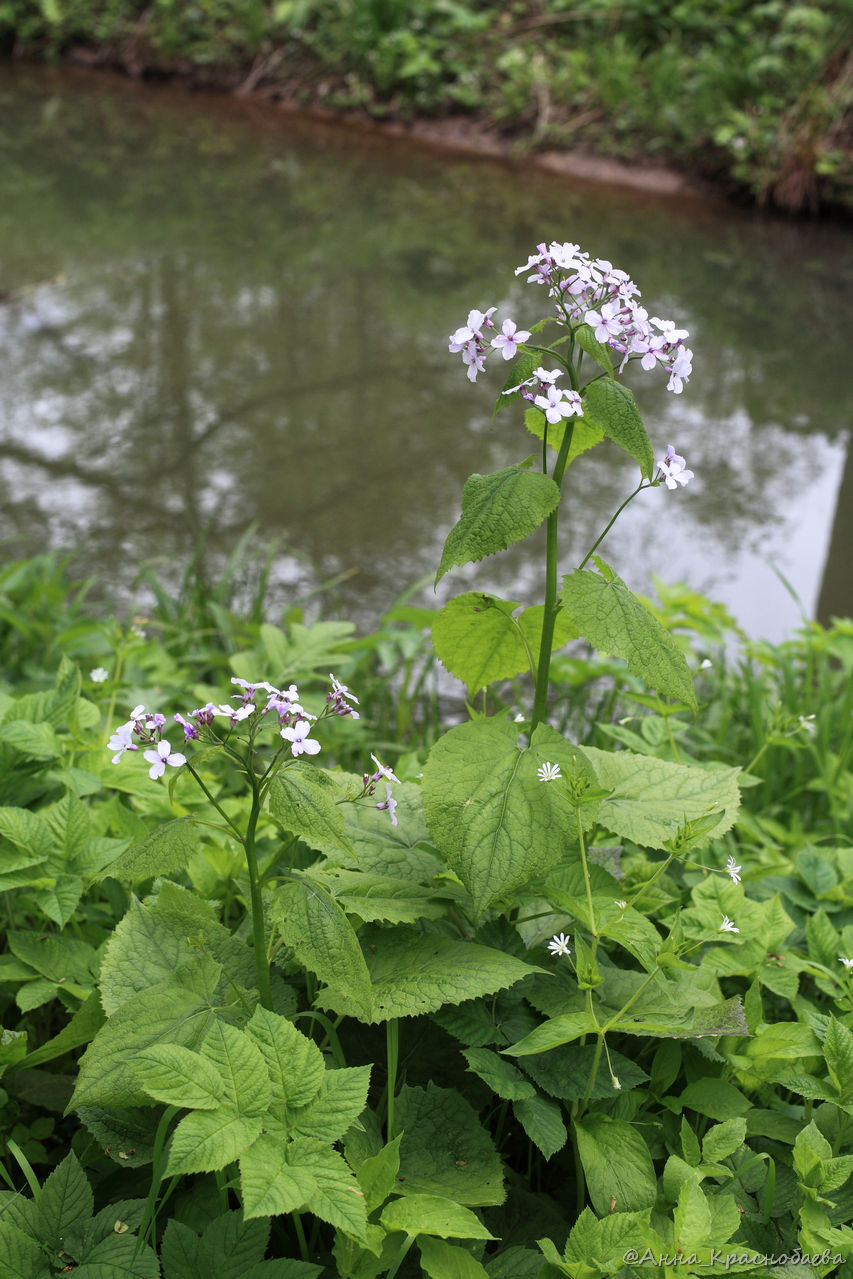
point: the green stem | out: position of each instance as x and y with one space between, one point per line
404 1248
549 615
392 1042
582 845
603 535
300 1236
235 830
259 938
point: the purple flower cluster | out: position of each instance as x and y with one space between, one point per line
470 342
148 729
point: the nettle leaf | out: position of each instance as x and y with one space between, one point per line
651 799
477 638
376 897
207 1140
599 351
66 1201
230 1245
341 1099
615 621
542 1120
489 814
585 435
294 1063
413 973
168 848
338 1198
269 1184
27 831
498 510
502 1077
322 938
178 1077
611 407
305 800
425 1214
444 1150
617 1164
241 1066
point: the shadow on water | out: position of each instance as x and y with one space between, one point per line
217 315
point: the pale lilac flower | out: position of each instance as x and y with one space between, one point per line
733 870
300 742
674 469
121 740
608 323
508 339
137 712
161 757
99 675
558 404
236 713
249 689
540 378
727 926
682 367
339 698
383 770
548 772
204 714
389 805
848 963
559 945
190 730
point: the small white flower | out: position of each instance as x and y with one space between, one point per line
99 675
342 690
733 870
848 963
161 757
727 926
299 740
121 741
622 905
548 772
705 664
559 945
616 1083
674 469
807 724
384 771
390 804
250 687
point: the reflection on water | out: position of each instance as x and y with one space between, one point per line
217 315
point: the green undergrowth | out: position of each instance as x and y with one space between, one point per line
756 95
404 1104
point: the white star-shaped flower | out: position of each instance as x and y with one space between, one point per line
727 926
548 772
733 870
848 963
559 945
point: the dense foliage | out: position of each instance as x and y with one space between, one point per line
759 94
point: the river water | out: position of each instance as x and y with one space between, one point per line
216 315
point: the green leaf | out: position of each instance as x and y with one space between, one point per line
80 1030
66 1201
440 1260
119 1257
692 1216
599 351
479 641
294 1063
341 1099
377 1175
496 823
304 800
22 1258
723 1140
617 1164
444 1150
338 1198
502 1077
715 1099
542 1120
610 407
269 1184
241 1067
178 1077
27 831
168 848
414 973
651 799
584 434
498 510
838 1051
179 1251
207 1140
600 607
314 926
119 1131
553 1033
33 741
424 1214
230 1245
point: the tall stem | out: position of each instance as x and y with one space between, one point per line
603 535
392 1041
259 936
549 615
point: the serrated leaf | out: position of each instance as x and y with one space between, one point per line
33 741
294 1063
168 848
723 1140
230 1245
208 1140
27 831
179 1251
502 1077
440 1260
341 1099
599 351
497 510
377 1175
66 1201
618 623
323 939
692 1216
495 822
477 638
413 973
118 1131
838 1051
584 434
445 1150
269 1185
241 1067
304 800
715 1099
651 799
176 1076
22 1256
617 1164
424 1214
338 1198
542 1120
611 407
565 1072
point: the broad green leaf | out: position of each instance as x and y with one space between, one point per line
692 1217
440 1260
496 823
269 1184
553 1033
33 741
120 1131
119 1256
497 510
651 799
838 1051
13 1048
599 351
341 1099
230 1245
502 1077
723 1140
585 435
637 934
178 1077
27 831
241 1067
542 1120
413 973
168 848
66 1201
715 1099
305 801
617 1164
445 1150
314 926
377 897
724 1017
564 1072
179 1251
22 1258
610 406
338 1198
477 638
424 1214
294 1063
377 1175
600 607
207 1140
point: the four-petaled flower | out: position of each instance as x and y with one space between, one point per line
848 963
674 469
161 757
559 945
557 404
727 926
383 770
507 341
548 772
733 870
121 741
299 740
